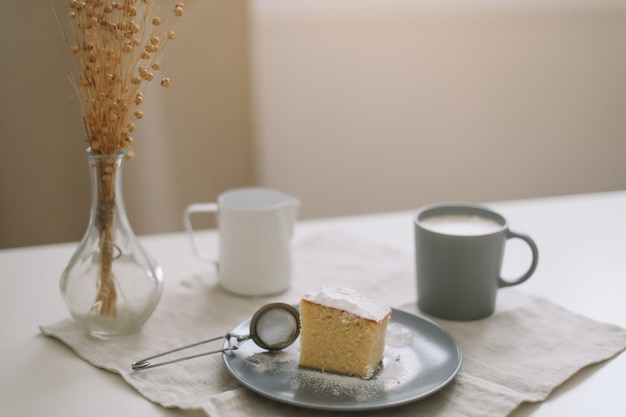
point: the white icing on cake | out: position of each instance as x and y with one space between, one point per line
350 301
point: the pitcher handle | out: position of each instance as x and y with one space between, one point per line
198 208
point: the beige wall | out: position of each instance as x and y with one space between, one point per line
352 105
193 143
375 105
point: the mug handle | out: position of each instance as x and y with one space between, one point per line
198 208
535 253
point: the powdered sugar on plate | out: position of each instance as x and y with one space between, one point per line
272 362
398 336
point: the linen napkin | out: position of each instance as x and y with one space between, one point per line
521 353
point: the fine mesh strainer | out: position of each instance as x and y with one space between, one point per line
273 327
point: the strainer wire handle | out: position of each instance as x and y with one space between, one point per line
145 363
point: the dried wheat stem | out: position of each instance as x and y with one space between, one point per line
106 299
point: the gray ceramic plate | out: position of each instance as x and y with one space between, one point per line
420 358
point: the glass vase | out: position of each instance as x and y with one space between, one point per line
111 285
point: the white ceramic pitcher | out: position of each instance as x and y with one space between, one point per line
255 228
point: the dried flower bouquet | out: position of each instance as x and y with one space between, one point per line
117 49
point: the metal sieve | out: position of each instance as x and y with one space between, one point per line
273 327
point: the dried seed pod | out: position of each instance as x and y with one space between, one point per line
146 75
117 53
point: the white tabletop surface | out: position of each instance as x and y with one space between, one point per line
582 266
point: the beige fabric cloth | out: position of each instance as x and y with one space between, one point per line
521 353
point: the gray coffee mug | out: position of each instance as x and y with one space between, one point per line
459 250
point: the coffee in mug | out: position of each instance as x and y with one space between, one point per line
459 250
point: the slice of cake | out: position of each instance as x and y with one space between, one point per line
342 331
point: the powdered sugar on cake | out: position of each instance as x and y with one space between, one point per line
351 301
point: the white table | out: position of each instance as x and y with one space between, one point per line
582 266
